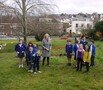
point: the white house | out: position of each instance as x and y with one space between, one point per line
78 23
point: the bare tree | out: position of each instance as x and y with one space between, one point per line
25 8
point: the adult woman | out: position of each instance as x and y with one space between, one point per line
46 48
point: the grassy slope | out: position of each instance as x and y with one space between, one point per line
56 77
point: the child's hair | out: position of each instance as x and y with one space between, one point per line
82 36
68 40
76 41
20 39
30 44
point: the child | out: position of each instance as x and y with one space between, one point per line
30 44
83 41
69 50
20 49
80 52
33 60
93 51
87 57
75 48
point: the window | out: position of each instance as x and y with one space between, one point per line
82 25
76 25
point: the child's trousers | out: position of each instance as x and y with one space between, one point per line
92 61
36 66
87 66
30 65
79 64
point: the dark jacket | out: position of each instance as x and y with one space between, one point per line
20 49
33 56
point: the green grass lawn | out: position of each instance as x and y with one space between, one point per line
57 77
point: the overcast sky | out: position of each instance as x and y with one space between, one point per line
76 6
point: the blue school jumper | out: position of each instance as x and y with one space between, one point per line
33 59
83 42
93 50
75 48
20 49
69 50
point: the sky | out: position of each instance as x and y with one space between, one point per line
76 6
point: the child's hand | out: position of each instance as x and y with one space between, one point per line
47 49
22 51
17 52
34 55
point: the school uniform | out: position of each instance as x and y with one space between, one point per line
20 49
30 60
69 50
33 60
36 61
83 42
93 51
35 49
87 59
79 54
75 48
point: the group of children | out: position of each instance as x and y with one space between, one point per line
32 56
84 53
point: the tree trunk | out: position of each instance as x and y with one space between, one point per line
25 34
24 20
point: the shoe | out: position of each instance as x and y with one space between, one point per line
39 71
35 73
31 71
